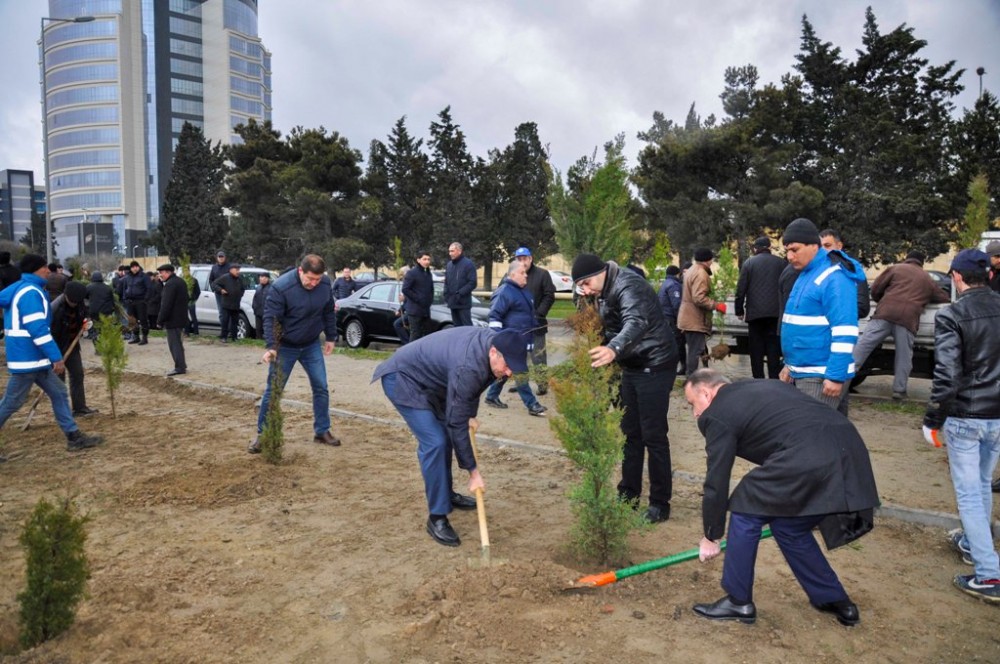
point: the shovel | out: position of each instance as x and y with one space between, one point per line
38 398
607 578
484 533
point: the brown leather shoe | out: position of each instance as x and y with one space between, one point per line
327 439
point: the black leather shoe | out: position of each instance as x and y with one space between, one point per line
725 609
495 403
442 532
460 502
846 611
83 412
657 513
177 372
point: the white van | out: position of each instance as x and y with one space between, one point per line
208 312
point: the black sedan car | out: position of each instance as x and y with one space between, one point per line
368 314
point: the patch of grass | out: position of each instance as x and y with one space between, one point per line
562 309
362 353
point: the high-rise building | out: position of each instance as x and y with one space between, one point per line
119 88
17 200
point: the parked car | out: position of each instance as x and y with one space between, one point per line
368 314
942 279
437 275
563 282
368 277
208 312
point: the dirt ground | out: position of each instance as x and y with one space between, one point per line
203 553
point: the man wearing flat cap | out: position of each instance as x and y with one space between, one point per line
902 292
173 315
697 307
638 338
819 327
757 288
435 383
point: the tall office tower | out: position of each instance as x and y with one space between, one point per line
120 78
17 201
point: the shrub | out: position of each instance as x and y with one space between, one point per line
57 570
272 438
111 347
589 427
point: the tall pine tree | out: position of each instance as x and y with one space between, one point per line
191 221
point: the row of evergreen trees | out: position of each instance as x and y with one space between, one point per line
869 146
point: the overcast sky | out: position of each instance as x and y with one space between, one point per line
583 70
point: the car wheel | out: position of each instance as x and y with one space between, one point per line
354 334
243 329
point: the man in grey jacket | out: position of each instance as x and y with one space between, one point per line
435 383
757 288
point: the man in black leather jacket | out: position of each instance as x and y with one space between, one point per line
639 339
965 403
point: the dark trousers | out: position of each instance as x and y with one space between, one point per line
460 317
762 336
681 345
420 326
646 398
258 327
399 325
138 310
192 326
228 319
798 546
697 346
74 367
175 342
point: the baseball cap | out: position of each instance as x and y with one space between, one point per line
969 260
522 251
513 345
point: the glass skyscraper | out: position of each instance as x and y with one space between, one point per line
119 89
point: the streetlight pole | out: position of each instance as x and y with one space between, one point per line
86 220
133 251
981 71
45 128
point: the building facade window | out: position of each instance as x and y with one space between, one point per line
240 16
185 87
107 72
84 7
61 162
93 179
84 137
189 7
244 105
179 26
244 87
185 67
88 95
177 124
245 67
82 116
71 31
244 47
94 51
187 106
184 47
90 201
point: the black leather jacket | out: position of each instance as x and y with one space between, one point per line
967 358
634 326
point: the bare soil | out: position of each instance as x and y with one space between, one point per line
203 553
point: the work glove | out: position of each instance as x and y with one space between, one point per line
720 307
933 437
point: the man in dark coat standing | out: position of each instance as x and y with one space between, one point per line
259 299
459 282
418 289
8 272
435 384
69 317
230 288
637 337
135 290
173 315
543 293
812 470
758 289
345 285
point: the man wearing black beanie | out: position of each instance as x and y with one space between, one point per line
637 337
819 326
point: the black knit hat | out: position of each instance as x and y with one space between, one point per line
917 256
31 263
801 230
75 292
762 242
587 265
701 254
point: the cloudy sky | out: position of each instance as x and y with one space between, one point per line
583 70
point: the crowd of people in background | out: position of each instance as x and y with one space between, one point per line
802 313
